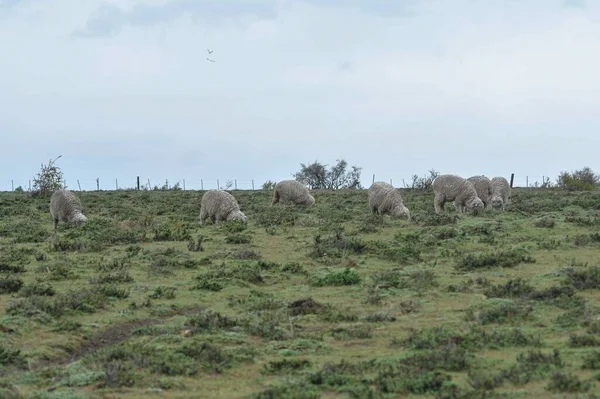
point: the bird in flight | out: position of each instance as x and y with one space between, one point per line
209 51
210 59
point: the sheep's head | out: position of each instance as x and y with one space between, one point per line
497 202
474 205
237 216
400 210
78 219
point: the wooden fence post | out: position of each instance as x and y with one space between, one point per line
138 183
512 178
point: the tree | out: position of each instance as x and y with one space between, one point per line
582 179
316 176
48 179
268 185
424 183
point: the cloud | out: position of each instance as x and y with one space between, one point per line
575 3
109 19
465 87
381 7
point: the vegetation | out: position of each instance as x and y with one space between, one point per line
326 301
582 179
48 179
317 176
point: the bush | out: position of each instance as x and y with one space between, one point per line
49 179
580 180
424 183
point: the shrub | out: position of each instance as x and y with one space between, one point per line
580 180
48 179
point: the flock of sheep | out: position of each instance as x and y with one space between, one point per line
469 195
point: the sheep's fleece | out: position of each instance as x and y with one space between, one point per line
292 191
384 198
500 192
65 206
220 205
483 186
455 188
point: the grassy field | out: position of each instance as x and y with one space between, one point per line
328 301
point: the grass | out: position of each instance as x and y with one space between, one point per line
329 301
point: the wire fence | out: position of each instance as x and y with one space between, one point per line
519 181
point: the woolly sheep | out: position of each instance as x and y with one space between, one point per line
66 207
500 192
455 188
384 198
483 187
292 191
220 205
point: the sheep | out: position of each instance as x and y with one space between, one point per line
384 198
292 191
220 205
66 207
483 187
455 188
500 192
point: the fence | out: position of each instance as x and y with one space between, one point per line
233 184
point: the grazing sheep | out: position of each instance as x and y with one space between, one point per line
66 207
500 192
483 187
292 191
220 205
455 188
384 198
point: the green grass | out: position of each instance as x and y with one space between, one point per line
328 301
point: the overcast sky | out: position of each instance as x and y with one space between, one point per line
124 88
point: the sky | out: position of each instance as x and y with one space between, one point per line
123 88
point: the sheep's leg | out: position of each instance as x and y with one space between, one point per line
203 216
438 203
459 206
275 198
55 223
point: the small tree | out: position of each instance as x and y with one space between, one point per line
48 179
268 185
316 176
582 179
424 183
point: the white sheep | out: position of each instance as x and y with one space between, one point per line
455 188
220 205
483 187
384 198
292 191
66 207
500 192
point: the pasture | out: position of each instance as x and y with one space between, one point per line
328 301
